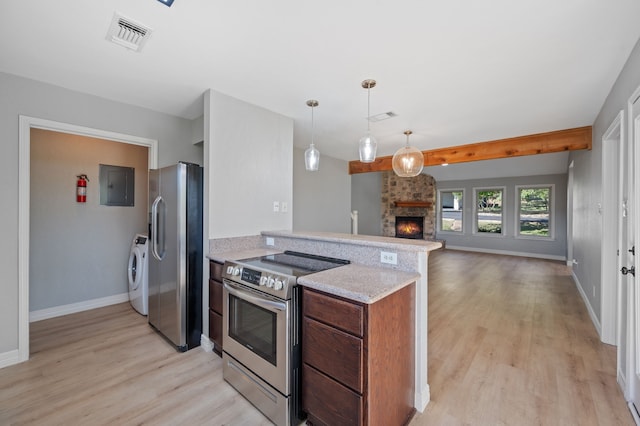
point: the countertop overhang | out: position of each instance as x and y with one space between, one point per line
359 283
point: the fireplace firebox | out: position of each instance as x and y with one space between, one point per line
411 227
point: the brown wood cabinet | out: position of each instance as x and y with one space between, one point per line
358 359
215 305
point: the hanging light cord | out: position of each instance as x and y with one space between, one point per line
312 108
368 108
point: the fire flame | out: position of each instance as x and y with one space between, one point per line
408 228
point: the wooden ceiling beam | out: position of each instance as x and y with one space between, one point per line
541 143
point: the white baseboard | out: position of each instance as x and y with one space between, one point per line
72 308
206 343
585 299
9 358
507 252
622 382
422 398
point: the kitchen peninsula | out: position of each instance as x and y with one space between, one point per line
365 280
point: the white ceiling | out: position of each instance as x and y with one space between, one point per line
455 72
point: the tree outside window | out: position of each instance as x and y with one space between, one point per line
534 210
451 210
489 210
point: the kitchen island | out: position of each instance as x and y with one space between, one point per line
366 280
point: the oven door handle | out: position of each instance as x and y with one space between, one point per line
256 300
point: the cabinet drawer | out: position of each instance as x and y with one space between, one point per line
334 352
215 328
344 315
215 271
328 401
215 296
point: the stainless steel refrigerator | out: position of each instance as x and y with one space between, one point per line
175 260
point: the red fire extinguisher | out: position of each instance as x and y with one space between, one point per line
81 189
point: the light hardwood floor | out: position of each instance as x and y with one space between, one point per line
108 367
510 343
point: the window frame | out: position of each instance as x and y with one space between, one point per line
552 221
440 212
475 231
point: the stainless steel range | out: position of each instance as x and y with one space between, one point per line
261 332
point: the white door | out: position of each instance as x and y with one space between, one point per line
630 236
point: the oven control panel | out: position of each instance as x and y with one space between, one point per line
266 281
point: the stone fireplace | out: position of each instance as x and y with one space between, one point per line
408 197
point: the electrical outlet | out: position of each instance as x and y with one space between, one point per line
388 257
270 241
285 207
276 206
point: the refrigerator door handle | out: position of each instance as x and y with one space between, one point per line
157 228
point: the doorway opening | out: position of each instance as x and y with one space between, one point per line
24 155
612 168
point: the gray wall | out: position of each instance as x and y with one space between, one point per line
79 251
321 199
249 165
555 248
366 189
31 98
587 188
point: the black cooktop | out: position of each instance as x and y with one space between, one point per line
294 263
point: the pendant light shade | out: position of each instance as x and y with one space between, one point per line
312 155
368 144
408 161
367 148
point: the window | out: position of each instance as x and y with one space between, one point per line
534 206
451 210
488 211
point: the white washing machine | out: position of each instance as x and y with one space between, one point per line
138 274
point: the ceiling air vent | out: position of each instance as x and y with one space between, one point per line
128 33
383 116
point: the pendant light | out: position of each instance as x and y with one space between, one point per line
408 161
312 155
368 144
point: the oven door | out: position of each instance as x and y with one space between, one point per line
255 333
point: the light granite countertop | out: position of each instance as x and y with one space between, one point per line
359 283
368 240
